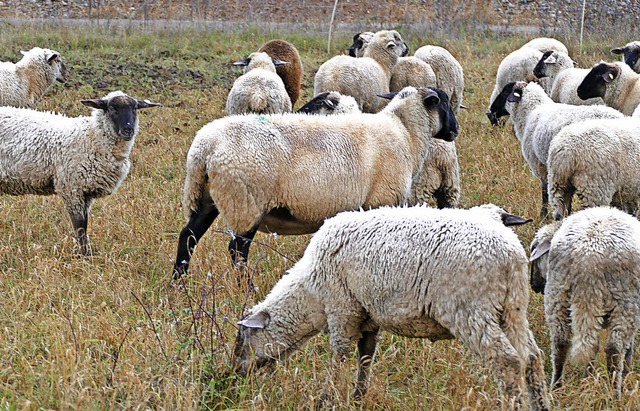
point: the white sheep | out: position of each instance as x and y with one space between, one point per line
588 270
287 173
440 178
448 71
412 71
412 271
615 83
78 158
366 77
259 90
24 83
537 119
630 54
545 44
559 68
599 161
330 103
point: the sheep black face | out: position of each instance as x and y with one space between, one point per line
630 53
449 130
121 110
595 82
498 107
319 102
539 69
358 45
539 259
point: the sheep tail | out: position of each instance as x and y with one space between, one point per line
586 324
195 185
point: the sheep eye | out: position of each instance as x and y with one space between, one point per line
611 76
515 93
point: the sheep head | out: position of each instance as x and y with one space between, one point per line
595 82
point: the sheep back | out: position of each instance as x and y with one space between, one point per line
411 71
448 71
291 74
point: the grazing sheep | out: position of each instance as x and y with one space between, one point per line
589 271
330 103
537 119
448 71
363 78
259 90
615 83
79 159
564 78
630 54
415 272
440 178
287 173
291 74
599 161
24 83
545 44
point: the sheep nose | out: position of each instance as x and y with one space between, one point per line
127 131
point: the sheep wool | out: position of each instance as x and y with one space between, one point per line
288 173
330 103
588 269
599 161
448 71
24 83
415 272
78 158
259 90
363 78
291 74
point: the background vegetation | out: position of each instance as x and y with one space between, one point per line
112 332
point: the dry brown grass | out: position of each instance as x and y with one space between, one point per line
111 332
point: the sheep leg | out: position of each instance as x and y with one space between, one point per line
534 376
198 224
78 209
366 350
239 245
545 200
507 367
619 347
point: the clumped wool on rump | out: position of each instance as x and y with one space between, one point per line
259 90
287 173
597 160
589 270
24 83
414 272
448 72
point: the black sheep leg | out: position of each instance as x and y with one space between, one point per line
198 224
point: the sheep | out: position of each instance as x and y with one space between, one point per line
564 78
441 175
78 158
328 103
412 71
287 173
360 42
537 119
519 65
412 271
363 78
587 268
259 90
615 83
24 83
448 71
545 44
630 54
599 161
291 74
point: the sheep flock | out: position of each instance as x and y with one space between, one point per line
368 167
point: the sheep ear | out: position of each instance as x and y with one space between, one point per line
619 50
258 320
609 75
432 99
146 104
540 250
510 219
551 60
366 36
331 104
277 62
23 52
97 104
244 62
387 96
52 57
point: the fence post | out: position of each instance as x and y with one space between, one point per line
333 15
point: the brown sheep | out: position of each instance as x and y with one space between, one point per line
291 74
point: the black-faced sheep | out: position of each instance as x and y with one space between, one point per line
287 173
79 159
412 271
630 54
615 83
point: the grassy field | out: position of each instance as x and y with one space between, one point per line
112 332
